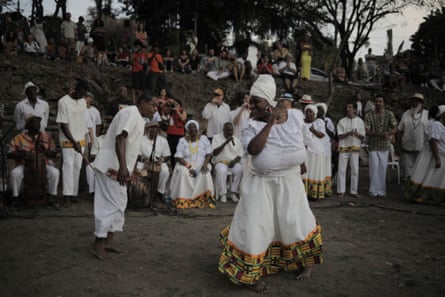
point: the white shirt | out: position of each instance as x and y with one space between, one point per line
95 118
72 112
68 29
162 150
22 108
131 121
314 145
243 121
183 151
284 143
346 125
216 117
232 150
413 128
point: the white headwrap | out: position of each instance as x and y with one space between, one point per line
30 84
324 106
191 122
311 107
264 87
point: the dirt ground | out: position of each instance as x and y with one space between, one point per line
372 247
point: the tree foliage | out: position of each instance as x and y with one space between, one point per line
428 41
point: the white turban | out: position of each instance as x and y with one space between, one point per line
311 107
324 106
264 87
191 122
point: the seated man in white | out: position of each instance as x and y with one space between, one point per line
227 152
161 154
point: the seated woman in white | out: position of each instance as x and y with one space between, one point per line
191 184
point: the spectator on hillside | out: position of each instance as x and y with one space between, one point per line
209 62
264 67
237 67
31 47
88 52
10 43
195 60
280 53
81 31
371 64
141 35
37 30
357 99
306 52
222 67
288 72
392 78
216 112
122 57
169 60
98 35
138 60
51 49
339 74
184 65
68 30
62 50
156 76
361 72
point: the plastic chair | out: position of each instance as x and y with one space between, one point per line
394 162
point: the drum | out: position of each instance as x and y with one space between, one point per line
35 181
142 190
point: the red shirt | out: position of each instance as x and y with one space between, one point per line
178 126
137 59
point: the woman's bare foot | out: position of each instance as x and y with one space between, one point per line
260 287
304 274
113 249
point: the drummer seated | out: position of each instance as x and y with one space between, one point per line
25 144
161 156
227 152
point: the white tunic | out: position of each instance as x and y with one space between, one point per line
131 121
72 112
23 108
346 125
232 150
161 149
413 128
216 117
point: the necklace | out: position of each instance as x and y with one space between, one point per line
193 147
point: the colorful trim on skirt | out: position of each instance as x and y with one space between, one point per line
421 194
205 200
242 268
318 189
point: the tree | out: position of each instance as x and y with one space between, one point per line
427 42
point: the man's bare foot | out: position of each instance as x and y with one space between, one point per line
260 287
98 250
304 274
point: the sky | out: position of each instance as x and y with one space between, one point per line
403 26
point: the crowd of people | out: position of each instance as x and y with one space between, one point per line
270 155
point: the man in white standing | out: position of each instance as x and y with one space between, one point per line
227 153
411 133
351 132
32 105
114 165
216 112
72 119
240 116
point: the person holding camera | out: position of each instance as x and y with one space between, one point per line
156 69
216 112
174 117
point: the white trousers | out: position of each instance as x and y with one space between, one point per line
408 160
343 159
164 174
222 171
110 202
90 175
17 175
378 164
72 163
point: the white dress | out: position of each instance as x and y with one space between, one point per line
188 191
273 228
